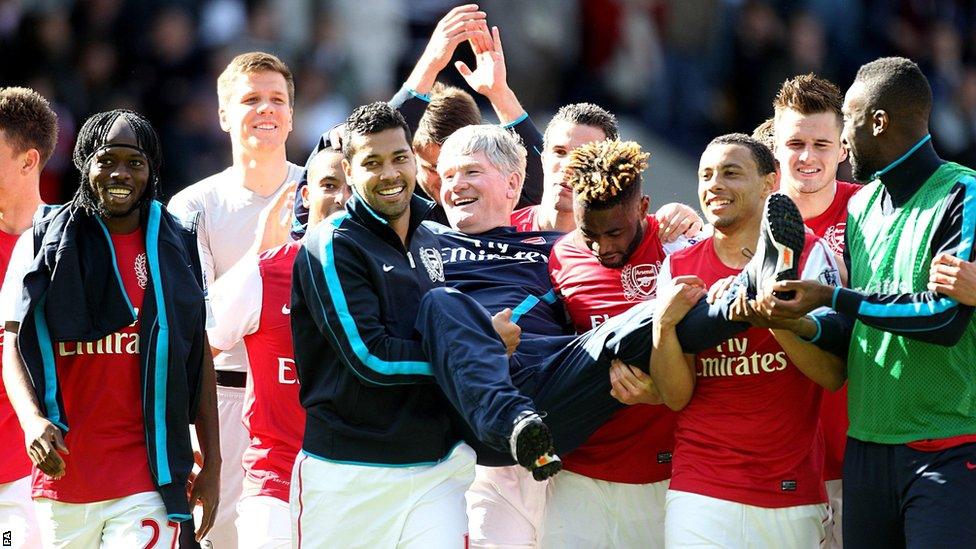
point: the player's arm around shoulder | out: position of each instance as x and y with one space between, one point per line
672 370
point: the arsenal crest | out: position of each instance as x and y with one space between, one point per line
639 281
431 258
834 236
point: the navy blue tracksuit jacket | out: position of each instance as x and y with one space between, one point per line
366 384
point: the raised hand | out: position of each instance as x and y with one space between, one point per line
460 24
275 220
490 77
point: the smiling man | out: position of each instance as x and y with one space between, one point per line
108 363
502 277
752 477
256 96
807 143
381 460
911 447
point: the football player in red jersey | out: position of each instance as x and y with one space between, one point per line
613 488
28 134
572 126
252 303
752 476
806 133
107 362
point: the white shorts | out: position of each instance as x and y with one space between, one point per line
694 520
584 513
343 505
138 521
835 498
505 508
18 522
263 522
233 441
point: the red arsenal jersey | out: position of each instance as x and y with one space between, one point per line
750 433
272 413
635 445
523 219
14 463
102 392
830 226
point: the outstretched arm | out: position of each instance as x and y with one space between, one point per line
490 79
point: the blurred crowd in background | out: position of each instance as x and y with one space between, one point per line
684 70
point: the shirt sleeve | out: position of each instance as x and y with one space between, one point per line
925 316
664 277
193 215
11 294
679 244
532 139
345 307
411 105
235 304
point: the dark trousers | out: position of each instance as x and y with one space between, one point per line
897 497
567 377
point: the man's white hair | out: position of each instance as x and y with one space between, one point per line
502 147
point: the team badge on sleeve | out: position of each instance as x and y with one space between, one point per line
431 258
639 281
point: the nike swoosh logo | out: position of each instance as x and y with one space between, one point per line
971 466
387 268
285 309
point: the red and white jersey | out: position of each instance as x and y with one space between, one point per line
750 433
636 444
102 392
832 223
524 219
830 226
14 463
252 302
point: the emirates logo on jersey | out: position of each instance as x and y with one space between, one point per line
834 236
639 281
431 258
142 273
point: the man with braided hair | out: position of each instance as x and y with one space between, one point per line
613 491
106 356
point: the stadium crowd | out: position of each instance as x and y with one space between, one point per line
442 332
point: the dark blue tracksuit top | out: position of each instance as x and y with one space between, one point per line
366 385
